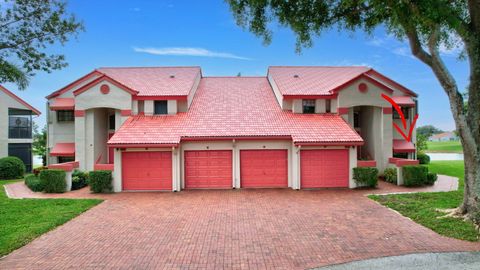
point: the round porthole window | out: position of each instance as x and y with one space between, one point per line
363 87
105 89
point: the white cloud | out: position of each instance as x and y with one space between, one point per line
136 9
377 42
402 51
187 51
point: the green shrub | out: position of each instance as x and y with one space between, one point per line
11 168
431 178
79 179
53 180
34 183
423 158
390 175
37 171
365 176
414 175
100 181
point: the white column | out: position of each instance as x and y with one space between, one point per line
353 163
295 167
89 140
80 135
117 170
68 180
176 182
387 138
236 165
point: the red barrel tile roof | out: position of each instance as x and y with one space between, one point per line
319 80
155 81
235 107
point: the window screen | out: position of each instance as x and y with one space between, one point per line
308 105
160 107
65 116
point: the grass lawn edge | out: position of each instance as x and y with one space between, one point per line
422 207
24 220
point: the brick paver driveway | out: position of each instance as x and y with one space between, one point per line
231 229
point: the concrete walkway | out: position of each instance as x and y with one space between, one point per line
423 261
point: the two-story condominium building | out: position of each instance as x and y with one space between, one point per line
16 127
170 128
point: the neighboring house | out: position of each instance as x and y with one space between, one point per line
443 137
16 127
170 128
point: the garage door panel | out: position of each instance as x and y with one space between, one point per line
147 170
324 168
263 168
208 169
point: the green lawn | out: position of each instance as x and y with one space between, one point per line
444 147
22 220
421 207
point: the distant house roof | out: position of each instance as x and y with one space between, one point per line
324 80
443 135
15 97
235 107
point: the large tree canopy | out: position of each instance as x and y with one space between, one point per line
427 25
27 27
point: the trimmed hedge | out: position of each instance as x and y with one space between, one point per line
390 175
100 181
37 171
366 176
53 180
34 183
431 178
423 158
79 179
414 175
11 168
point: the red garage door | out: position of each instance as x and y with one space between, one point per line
147 170
208 169
324 168
263 168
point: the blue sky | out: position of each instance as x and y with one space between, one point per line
203 33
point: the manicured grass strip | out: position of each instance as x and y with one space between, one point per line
445 147
421 207
22 220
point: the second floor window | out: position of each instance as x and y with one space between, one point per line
160 107
111 121
19 124
405 111
65 116
308 105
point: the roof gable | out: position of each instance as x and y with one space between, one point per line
73 84
294 81
104 78
21 101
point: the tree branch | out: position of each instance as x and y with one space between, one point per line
18 44
22 18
